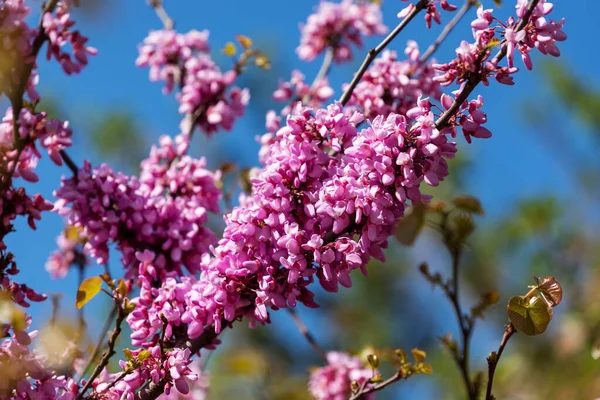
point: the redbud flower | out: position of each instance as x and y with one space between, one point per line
339 25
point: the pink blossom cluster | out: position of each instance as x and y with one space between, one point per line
58 29
326 201
339 26
156 232
473 60
207 96
20 294
172 366
298 90
431 11
393 86
69 252
52 135
333 381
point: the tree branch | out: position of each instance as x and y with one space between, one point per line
110 351
399 375
494 359
446 31
475 79
152 390
375 52
306 333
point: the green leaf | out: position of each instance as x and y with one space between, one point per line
373 361
469 203
87 290
408 228
530 316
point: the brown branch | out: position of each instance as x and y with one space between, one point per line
445 32
364 390
494 359
162 14
306 333
375 51
475 79
99 346
152 390
110 351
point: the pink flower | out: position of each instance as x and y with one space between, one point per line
333 381
339 25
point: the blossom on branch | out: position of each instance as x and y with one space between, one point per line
339 25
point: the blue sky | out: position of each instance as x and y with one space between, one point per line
511 165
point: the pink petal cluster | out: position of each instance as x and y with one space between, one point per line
157 233
431 11
207 95
20 294
58 29
298 90
393 86
16 202
326 201
173 366
473 60
52 135
339 26
69 252
333 381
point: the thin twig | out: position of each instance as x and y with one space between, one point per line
306 333
152 390
110 351
494 359
377 387
323 72
100 342
375 51
162 14
445 32
475 79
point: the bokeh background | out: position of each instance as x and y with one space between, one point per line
537 179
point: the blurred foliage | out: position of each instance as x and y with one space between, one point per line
116 135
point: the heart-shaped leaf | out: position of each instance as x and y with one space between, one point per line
408 228
87 290
530 316
469 203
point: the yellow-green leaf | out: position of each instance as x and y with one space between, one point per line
419 355
530 316
373 361
408 228
424 368
144 355
127 354
245 41
469 203
229 49
87 290
263 62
